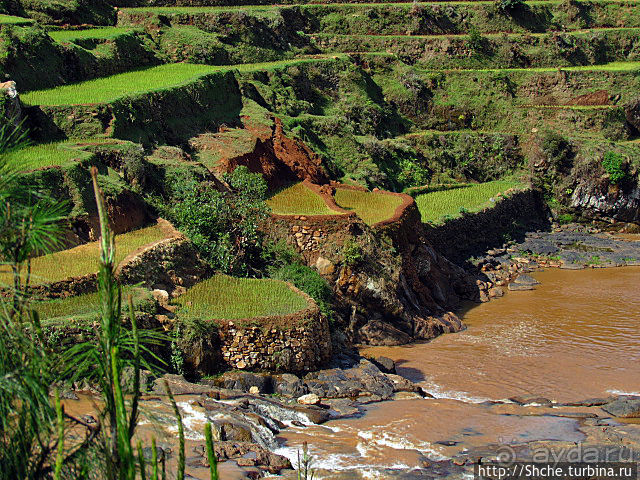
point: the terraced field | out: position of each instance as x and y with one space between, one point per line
12 20
87 306
298 199
83 259
89 34
371 207
354 80
108 89
210 299
441 205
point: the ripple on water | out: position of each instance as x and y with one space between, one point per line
575 336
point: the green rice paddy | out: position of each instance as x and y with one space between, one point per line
12 20
87 304
90 33
228 298
83 259
45 155
438 206
299 200
193 10
369 206
108 89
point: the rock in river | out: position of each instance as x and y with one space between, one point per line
624 407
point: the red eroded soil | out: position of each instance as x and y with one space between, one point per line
601 97
269 151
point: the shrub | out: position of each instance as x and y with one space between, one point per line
351 253
309 281
475 41
222 225
557 150
510 5
615 166
565 218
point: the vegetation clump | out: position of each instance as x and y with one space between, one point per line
614 164
223 225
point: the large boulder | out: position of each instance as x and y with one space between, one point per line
10 106
363 379
624 407
288 385
244 381
377 332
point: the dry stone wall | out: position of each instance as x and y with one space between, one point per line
298 342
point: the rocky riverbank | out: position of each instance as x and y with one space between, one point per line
571 247
248 410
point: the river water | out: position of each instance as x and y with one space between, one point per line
576 336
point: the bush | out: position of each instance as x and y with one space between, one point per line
615 166
557 150
510 5
475 41
565 218
309 281
222 225
351 253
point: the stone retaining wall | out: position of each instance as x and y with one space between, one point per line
326 234
166 263
298 342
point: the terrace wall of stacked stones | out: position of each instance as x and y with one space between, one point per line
298 342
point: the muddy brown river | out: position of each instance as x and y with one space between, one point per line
576 336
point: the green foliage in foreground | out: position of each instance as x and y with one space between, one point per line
369 206
229 298
435 207
299 200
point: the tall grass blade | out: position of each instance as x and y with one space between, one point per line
143 470
60 453
125 451
154 459
211 456
133 419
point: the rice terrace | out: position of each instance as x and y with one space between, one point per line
318 240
